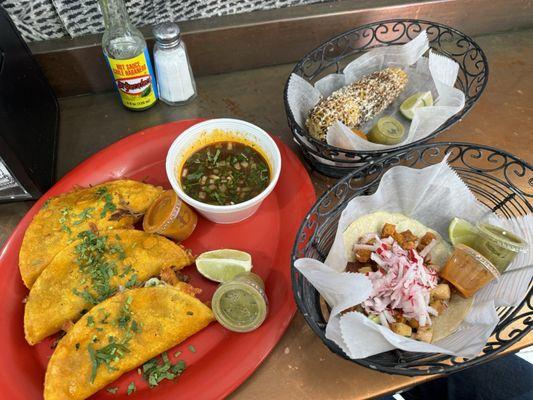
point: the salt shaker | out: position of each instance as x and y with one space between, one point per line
174 75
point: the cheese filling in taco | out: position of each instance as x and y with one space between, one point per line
402 258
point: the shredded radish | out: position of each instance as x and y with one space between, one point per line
426 250
383 319
359 246
368 237
402 283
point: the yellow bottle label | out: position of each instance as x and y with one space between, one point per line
134 80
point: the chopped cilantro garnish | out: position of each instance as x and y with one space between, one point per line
94 361
105 316
191 348
126 271
132 281
135 327
179 367
131 388
124 317
177 354
104 319
104 195
112 390
123 320
84 215
106 355
85 295
90 321
63 219
116 347
90 257
194 176
117 249
215 158
155 371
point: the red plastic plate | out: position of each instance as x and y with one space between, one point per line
223 360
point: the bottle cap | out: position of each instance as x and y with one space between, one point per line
167 33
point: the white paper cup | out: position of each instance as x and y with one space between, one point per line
201 132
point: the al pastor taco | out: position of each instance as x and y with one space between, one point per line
402 258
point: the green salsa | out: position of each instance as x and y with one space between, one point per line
498 245
225 173
240 305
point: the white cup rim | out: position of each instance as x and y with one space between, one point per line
212 124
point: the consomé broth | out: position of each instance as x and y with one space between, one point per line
225 173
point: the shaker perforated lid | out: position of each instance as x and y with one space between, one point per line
167 33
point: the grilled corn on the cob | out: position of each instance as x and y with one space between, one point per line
357 103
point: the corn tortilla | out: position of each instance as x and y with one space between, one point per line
167 317
458 307
64 216
52 301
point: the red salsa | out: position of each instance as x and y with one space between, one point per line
225 173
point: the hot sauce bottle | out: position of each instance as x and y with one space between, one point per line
127 56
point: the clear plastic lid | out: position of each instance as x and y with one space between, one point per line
162 212
502 237
240 305
482 260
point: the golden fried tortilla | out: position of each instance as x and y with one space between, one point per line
90 270
142 323
116 204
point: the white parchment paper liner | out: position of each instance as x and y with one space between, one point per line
435 73
433 195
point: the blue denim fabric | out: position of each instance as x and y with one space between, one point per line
506 378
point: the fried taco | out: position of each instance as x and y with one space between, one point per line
90 270
120 334
114 204
402 259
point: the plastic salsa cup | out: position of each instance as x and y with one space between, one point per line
170 217
498 245
468 270
241 305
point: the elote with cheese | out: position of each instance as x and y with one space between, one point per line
357 103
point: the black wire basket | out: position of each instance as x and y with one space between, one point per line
333 55
501 181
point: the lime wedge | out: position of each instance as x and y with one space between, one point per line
462 232
417 100
224 264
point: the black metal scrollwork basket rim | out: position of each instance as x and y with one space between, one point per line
319 154
494 182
